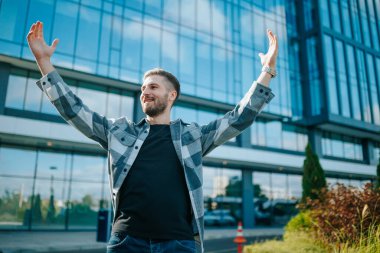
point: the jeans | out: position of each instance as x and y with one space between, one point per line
122 243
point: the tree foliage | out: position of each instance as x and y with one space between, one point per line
313 180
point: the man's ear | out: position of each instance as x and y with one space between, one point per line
172 95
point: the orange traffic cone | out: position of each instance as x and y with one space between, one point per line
239 239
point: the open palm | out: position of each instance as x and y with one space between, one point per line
269 59
37 43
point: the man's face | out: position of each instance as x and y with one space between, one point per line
155 95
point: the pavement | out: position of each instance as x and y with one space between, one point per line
75 241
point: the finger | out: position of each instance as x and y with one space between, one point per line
270 36
39 29
31 32
42 30
54 44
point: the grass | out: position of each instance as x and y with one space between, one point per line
304 242
294 242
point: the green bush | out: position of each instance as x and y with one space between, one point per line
300 222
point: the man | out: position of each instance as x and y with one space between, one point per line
155 166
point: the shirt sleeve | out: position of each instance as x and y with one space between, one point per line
234 122
73 111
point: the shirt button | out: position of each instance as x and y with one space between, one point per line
266 93
49 79
136 147
261 90
125 170
43 83
122 139
145 131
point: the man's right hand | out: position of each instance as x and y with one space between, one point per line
41 51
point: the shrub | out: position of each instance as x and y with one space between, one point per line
313 179
300 222
346 215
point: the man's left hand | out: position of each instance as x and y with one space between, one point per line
269 59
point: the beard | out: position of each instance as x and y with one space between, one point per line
157 107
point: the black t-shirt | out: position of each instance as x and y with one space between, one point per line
154 201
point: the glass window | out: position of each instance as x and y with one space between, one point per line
295 187
127 106
219 73
84 205
105 47
203 65
346 18
289 140
247 73
11 16
187 64
65 26
372 89
203 16
223 192
15 202
188 13
34 95
205 117
88 34
309 14
131 48
355 20
11 164
353 83
188 113
169 49
113 103
364 22
335 13
366 107
343 93
218 18
274 136
325 13
262 185
314 76
93 96
88 168
153 7
331 81
151 48
16 91
372 21
171 10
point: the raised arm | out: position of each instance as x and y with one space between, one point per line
71 107
242 116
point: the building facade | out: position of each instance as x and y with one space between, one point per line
327 93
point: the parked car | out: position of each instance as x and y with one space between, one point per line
219 217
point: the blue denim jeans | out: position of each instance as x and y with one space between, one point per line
122 243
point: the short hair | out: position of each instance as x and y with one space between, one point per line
171 78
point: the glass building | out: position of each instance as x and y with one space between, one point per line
327 93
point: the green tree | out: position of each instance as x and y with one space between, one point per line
37 209
50 216
313 179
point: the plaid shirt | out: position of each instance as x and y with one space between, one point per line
123 138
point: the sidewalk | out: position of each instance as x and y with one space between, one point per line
35 241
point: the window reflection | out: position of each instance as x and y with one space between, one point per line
278 135
331 81
222 196
16 91
63 184
342 146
